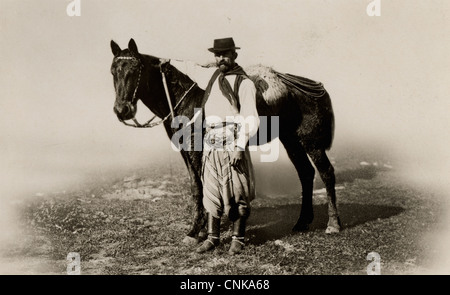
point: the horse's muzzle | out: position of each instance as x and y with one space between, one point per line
125 111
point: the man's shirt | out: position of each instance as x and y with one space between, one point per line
217 108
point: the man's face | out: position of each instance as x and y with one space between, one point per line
225 60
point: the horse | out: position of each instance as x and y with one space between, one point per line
306 122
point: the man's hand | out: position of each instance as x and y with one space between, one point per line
237 160
164 63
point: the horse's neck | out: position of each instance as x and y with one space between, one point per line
154 96
179 83
186 93
179 86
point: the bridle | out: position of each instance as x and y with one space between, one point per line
134 99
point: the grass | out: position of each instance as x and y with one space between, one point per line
135 225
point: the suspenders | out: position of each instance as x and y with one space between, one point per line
237 84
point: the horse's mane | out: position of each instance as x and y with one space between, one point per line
179 80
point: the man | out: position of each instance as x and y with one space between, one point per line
231 119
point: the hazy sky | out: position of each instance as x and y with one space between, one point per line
388 76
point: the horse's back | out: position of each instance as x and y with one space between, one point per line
303 106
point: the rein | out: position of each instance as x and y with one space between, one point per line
149 123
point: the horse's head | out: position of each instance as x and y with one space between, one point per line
159 85
126 69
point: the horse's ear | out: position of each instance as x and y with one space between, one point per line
115 48
132 46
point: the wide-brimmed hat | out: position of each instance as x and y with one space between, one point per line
224 44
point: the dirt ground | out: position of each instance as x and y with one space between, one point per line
134 223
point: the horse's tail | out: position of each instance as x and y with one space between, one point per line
331 127
324 135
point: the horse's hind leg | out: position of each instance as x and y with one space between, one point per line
326 172
305 172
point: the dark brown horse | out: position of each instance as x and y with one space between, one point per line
306 122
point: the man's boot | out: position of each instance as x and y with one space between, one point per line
213 239
237 242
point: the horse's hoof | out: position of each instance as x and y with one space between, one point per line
332 230
190 241
333 226
299 227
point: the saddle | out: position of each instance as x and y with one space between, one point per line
274 85
307 86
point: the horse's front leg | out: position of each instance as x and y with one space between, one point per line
199 220
193 163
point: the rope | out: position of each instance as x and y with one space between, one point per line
149 123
